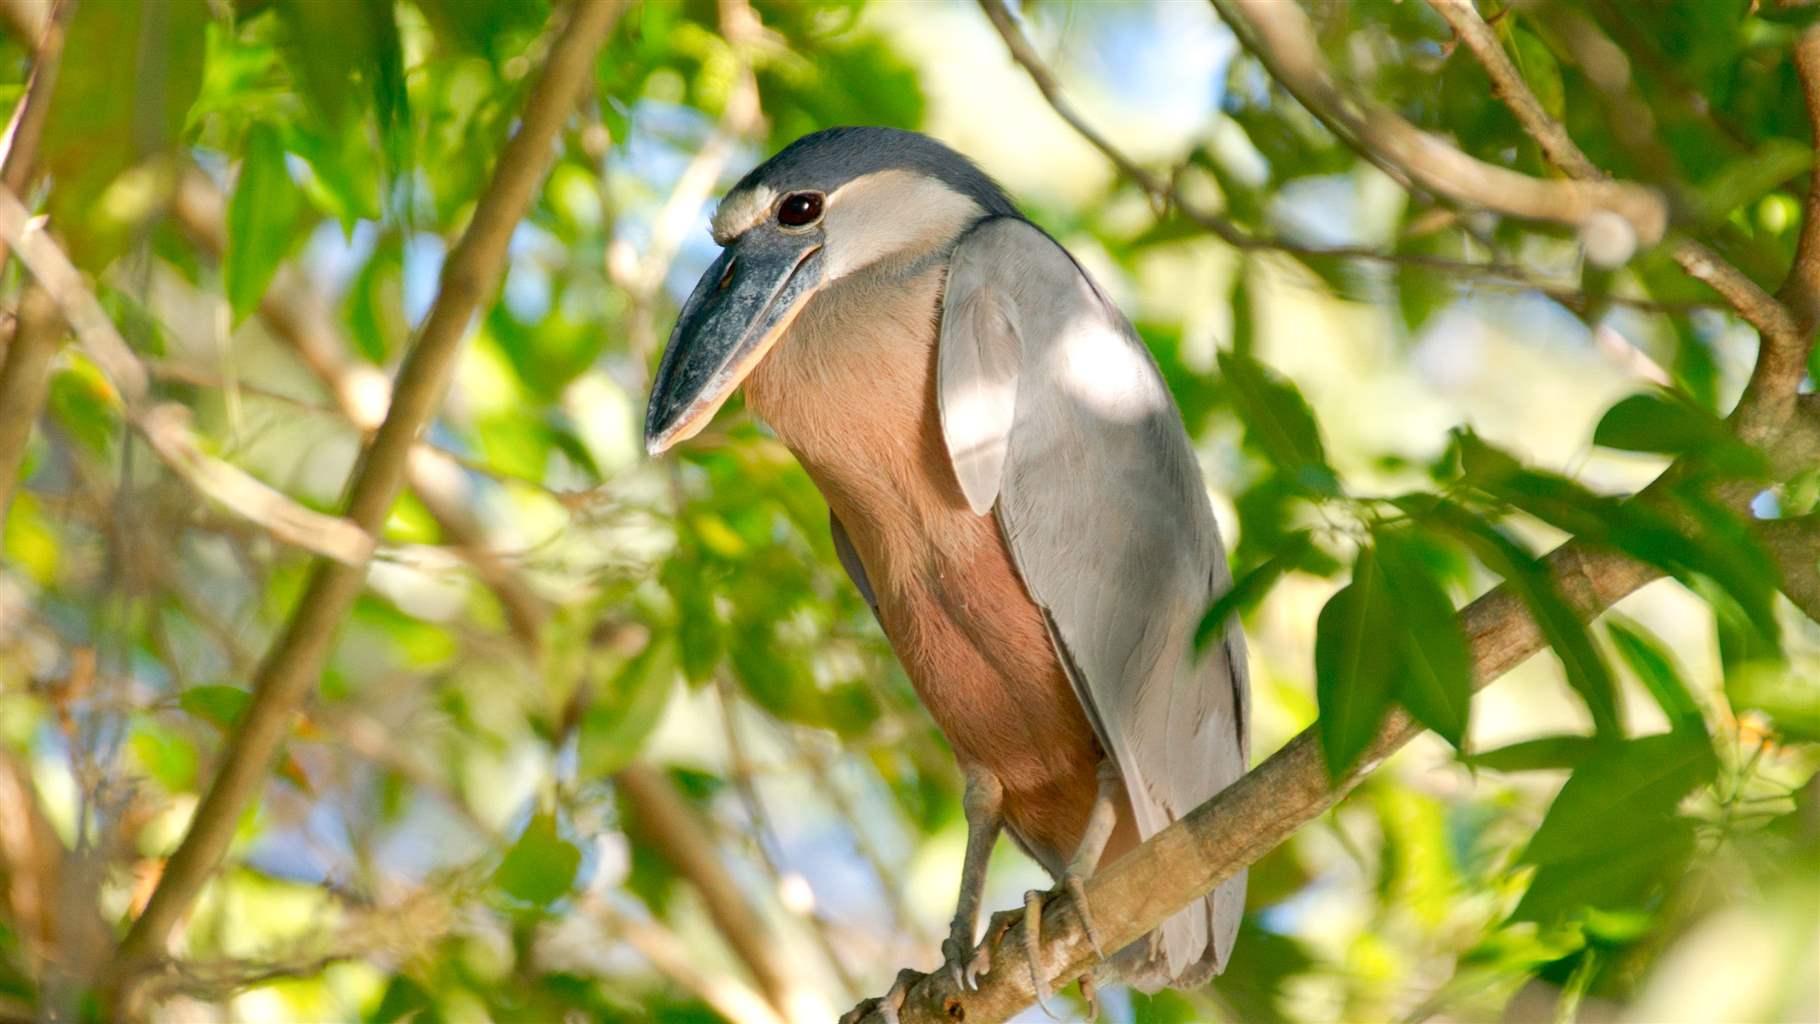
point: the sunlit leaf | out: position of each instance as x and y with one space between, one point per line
1545 753
1278 421
1656 668
618 721
1623 788
1433 671
262 217
1354 664
540 866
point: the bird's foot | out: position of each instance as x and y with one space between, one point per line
1033 948
889 1005
1076 884
1090 991
967 964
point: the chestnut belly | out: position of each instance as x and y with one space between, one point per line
979 654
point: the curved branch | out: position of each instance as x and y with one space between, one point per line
1782 357
1280 36
295 660
1168 194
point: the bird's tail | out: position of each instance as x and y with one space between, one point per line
1213 921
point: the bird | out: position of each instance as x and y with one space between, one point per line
1012 490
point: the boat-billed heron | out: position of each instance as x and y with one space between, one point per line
1010 488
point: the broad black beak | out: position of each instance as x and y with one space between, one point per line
740 308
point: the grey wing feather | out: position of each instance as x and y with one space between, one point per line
1055 414
849 560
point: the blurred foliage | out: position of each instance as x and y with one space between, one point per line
442 839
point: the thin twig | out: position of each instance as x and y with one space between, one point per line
1281 37
1783 351
166 427
728 996
296 658
1164 195
680 839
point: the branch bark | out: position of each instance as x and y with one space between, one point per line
294 312
1166 194
1784 340
23 375
1281 37
296 658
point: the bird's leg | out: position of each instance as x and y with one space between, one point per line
1100 823
983 803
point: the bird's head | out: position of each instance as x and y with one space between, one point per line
828 206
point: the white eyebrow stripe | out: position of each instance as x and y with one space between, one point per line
739 211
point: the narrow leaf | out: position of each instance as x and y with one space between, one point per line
1656 669
1278 421
1353 665
1433 677
1250 588
1547 753
262 217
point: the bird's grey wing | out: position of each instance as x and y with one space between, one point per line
849 560
1054 413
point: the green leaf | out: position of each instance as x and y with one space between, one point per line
261 221
1249 589
220 705
1662 421
1615 879
1623 789
540 866
1561 626
1546 753
124 89
1278 422
1353 664
1655 667
619 720
1791 701
1750 177
1540 71
1433 673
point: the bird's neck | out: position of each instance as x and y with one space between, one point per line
851 391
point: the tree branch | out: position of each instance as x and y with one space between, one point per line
1801 291
295 660
166 427
1163 195
23 375
1782 355
296 314
1281 37
680 839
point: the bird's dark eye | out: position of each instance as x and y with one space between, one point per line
800 209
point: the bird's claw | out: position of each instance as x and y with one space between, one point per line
1077 890
888 1006
1033 949
966 966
